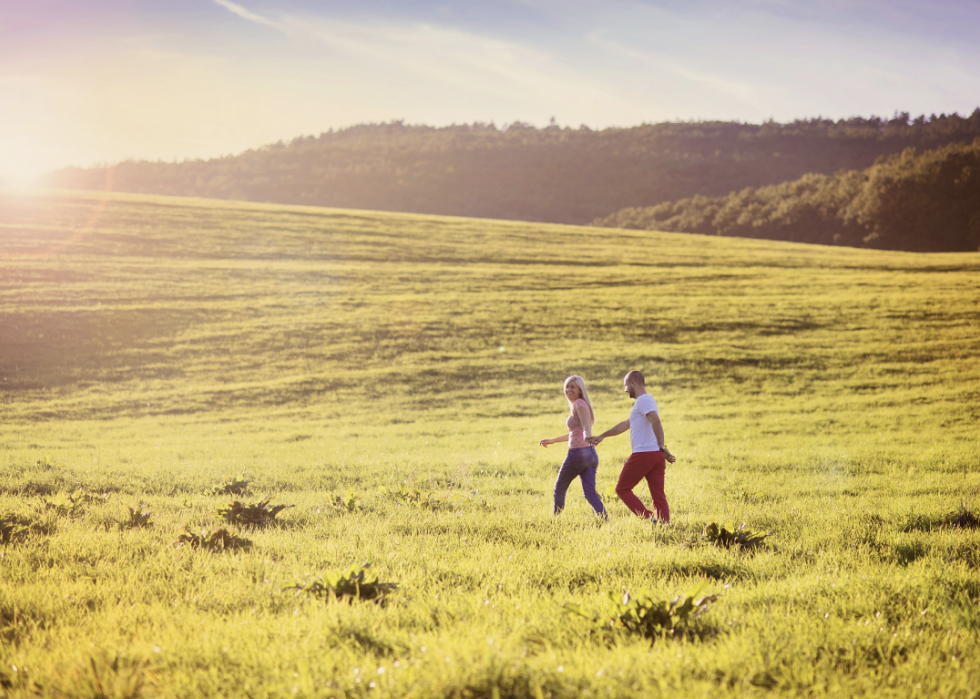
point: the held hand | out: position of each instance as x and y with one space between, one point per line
594 440
667 455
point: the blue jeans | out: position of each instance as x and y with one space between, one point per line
580 463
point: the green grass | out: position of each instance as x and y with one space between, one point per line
161 349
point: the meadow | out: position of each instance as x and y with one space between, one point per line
389 376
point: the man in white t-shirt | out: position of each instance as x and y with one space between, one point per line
650 456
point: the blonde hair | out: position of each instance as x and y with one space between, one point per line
580 382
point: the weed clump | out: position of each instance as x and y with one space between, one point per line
15 526
256 514
744 497
649 617
415 498
12 527
139 517
72 505
238 485
348 503
718 535
217 540
963 519
351 584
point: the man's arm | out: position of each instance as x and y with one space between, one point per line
612 432
653 417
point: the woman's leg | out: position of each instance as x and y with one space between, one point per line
566 475
588 488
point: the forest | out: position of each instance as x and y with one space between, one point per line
926 202
551 174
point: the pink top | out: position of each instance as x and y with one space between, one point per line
576 431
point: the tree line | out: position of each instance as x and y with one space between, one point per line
552 174
927 202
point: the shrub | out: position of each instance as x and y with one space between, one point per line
217 540
648 617
353 583
257 514
718 535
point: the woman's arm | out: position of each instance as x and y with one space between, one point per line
546 442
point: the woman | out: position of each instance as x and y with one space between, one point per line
582 460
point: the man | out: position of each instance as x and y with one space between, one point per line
650 456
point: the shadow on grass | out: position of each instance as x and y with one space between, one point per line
713 569
960 519
368 640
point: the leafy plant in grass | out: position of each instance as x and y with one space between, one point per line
256 514
650 617
139 517
720 536
72 504
353 583
239 485
216 540
348 503
408 496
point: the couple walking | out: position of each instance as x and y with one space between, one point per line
648 460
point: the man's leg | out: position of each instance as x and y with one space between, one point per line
634 470
655 479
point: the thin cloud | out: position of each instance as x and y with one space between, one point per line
453 57
737 89
246 14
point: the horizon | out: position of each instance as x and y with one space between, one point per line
503 128
122 80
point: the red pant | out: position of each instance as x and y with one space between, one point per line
650 465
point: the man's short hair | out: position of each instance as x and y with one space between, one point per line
636 376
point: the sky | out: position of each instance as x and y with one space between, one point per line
101 81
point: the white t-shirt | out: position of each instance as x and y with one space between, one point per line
642 437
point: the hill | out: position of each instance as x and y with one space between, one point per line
390 376
924 202
551 174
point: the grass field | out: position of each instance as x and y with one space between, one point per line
152 349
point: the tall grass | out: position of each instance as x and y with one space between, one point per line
160 349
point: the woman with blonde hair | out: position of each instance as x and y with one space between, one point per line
582 459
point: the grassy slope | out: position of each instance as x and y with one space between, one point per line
153 346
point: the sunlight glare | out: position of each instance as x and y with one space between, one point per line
19 169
